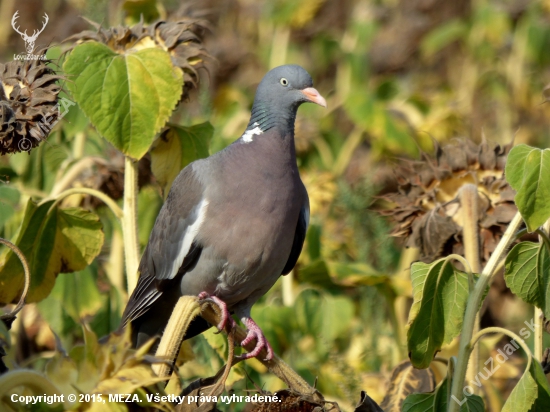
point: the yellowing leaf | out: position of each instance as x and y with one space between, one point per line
404 381
523 395
56 241
128 97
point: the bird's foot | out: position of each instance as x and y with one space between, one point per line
255 333
226 319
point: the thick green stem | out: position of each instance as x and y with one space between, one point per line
472 308
130 222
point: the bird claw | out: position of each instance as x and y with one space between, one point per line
255 333
226 319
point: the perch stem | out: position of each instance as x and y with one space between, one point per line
276 365
185 311
187 308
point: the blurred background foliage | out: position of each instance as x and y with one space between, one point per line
396 74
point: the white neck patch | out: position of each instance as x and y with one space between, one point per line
248 135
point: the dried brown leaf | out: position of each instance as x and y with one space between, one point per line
405 380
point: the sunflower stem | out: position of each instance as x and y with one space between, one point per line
472 308
79 145
279 46
538 315
288 289
470 233
186 310
539 320
470 228
276 365
130 222
114 267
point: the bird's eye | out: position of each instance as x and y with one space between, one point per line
284 82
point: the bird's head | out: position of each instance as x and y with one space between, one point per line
288 86
278 96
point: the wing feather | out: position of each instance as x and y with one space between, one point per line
172 249
299 238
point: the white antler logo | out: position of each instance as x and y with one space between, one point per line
29 40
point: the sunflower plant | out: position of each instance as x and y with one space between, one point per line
463 209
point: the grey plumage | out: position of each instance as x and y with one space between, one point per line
234 222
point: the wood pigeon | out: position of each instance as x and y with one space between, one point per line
232 223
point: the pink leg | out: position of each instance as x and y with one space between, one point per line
226 316
255 333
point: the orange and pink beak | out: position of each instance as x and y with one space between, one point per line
313 96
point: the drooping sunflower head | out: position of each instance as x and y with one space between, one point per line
426 208
182 39
28 104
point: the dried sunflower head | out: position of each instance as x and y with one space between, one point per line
182 39
28 104
426 207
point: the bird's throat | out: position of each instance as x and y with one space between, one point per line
265 119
